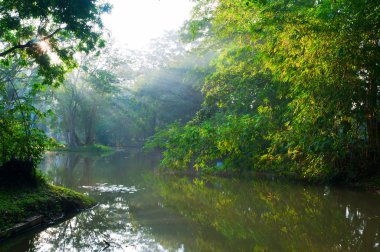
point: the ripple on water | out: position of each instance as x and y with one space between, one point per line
112 188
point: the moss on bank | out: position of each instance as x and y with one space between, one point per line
51 201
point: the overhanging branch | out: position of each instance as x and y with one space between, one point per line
8 51
29 44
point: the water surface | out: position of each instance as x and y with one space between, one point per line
140 210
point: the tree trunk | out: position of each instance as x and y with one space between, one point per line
72 138
90 127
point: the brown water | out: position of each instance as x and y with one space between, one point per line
140 210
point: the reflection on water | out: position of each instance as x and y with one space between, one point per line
139 210
111 188
275 216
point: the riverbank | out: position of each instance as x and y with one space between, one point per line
371 184
48 201
86 148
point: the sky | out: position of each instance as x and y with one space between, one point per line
134 23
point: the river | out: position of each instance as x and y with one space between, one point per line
140 209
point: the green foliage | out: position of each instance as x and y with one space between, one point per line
295 89
36 30
21 137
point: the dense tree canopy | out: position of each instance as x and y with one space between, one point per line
295 89
49 33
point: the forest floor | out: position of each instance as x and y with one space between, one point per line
48 201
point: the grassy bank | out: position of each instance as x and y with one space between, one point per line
17 204
87 148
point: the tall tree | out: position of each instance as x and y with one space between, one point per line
38 40
83 94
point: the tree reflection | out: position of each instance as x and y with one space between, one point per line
262 215
109 221
88 230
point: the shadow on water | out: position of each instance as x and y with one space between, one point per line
139 210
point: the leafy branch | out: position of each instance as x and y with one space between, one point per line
29 44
